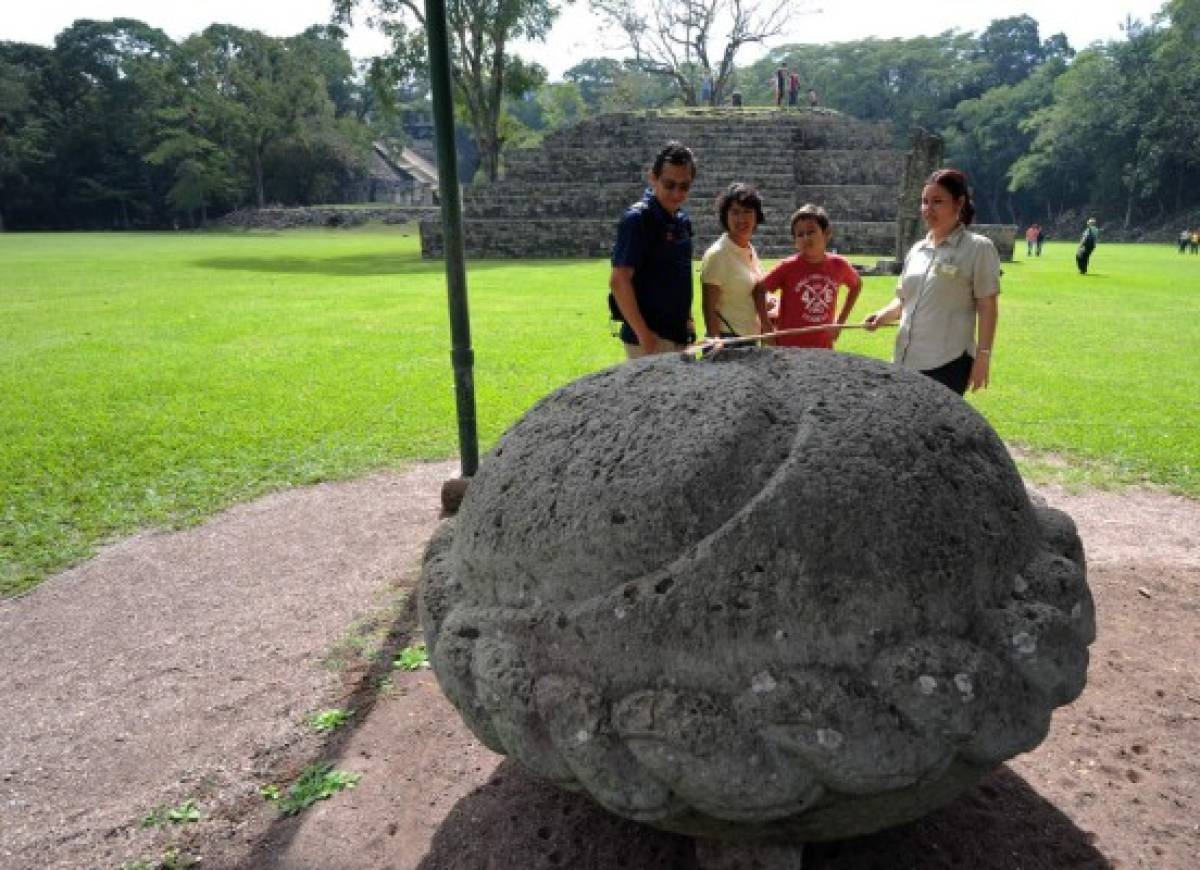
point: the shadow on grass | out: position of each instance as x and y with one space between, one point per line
354 265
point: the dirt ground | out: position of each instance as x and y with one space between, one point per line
180 666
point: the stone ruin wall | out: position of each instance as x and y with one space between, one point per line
563 198
283 218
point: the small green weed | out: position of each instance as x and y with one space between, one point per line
412 658
163 815
270 792
328 720
172 859
316 783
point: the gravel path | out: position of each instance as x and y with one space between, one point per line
179 666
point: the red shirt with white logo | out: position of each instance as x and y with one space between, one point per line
809 296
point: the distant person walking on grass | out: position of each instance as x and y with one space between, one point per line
780 84
813 102
947 300
1194 242
1031 239
1087 244
1184 238
794 89
651 279
1041 238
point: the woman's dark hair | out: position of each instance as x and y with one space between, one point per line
676 154
954 182
745 196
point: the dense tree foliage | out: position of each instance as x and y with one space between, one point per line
1121 133
1043 132
118 126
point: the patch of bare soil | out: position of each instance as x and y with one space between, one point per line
180 666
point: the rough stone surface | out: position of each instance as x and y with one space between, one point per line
774 594
924 156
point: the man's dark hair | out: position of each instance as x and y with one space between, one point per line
812 212
745 196
676 154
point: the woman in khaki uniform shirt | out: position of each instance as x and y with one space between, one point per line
947 298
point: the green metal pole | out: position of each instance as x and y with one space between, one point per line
462 357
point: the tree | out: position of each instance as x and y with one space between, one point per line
1121 131
1011 48
608 85
23 137
1174 123
267 91
1073 147
323 48
985 136
685 41
479 33
910 82
203 173
596 78
105 85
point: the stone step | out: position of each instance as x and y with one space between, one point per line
628 191
804 167
541 238
863 202
817 135
707 119
574 159
783 152
829 166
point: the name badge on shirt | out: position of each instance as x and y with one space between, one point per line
943 268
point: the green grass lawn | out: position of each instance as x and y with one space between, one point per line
151 379
1098 369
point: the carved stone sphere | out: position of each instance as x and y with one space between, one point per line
774 594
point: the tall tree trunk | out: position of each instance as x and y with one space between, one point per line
489 147
258 176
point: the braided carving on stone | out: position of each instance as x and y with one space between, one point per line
770 594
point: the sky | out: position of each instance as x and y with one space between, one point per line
576 36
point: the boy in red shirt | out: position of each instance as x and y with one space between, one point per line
809 280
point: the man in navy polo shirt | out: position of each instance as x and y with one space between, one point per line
651 278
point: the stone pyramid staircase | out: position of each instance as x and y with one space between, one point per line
563 198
